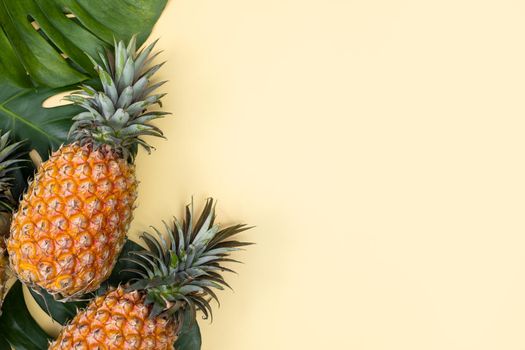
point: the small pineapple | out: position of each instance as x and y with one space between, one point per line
72 222
179 274
9 161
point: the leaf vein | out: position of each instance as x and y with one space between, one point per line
15 117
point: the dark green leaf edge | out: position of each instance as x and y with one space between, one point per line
17 326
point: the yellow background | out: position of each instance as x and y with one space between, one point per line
379 148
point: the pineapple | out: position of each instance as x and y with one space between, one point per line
71 223
178 275
9 161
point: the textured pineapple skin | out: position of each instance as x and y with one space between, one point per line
117 321
72 222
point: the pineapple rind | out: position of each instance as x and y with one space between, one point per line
72 221
114 321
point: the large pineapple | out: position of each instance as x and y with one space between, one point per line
179 274
9 161
71 223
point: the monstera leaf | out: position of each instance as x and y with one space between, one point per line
189 336
44 45
17 326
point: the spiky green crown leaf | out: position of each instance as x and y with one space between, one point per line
118 116
182 269
9 162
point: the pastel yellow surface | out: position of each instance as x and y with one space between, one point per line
379 148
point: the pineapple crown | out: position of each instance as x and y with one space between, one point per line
118 116
9 162
182 270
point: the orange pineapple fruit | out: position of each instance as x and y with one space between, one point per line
72 221
9 161
178 274
117 320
